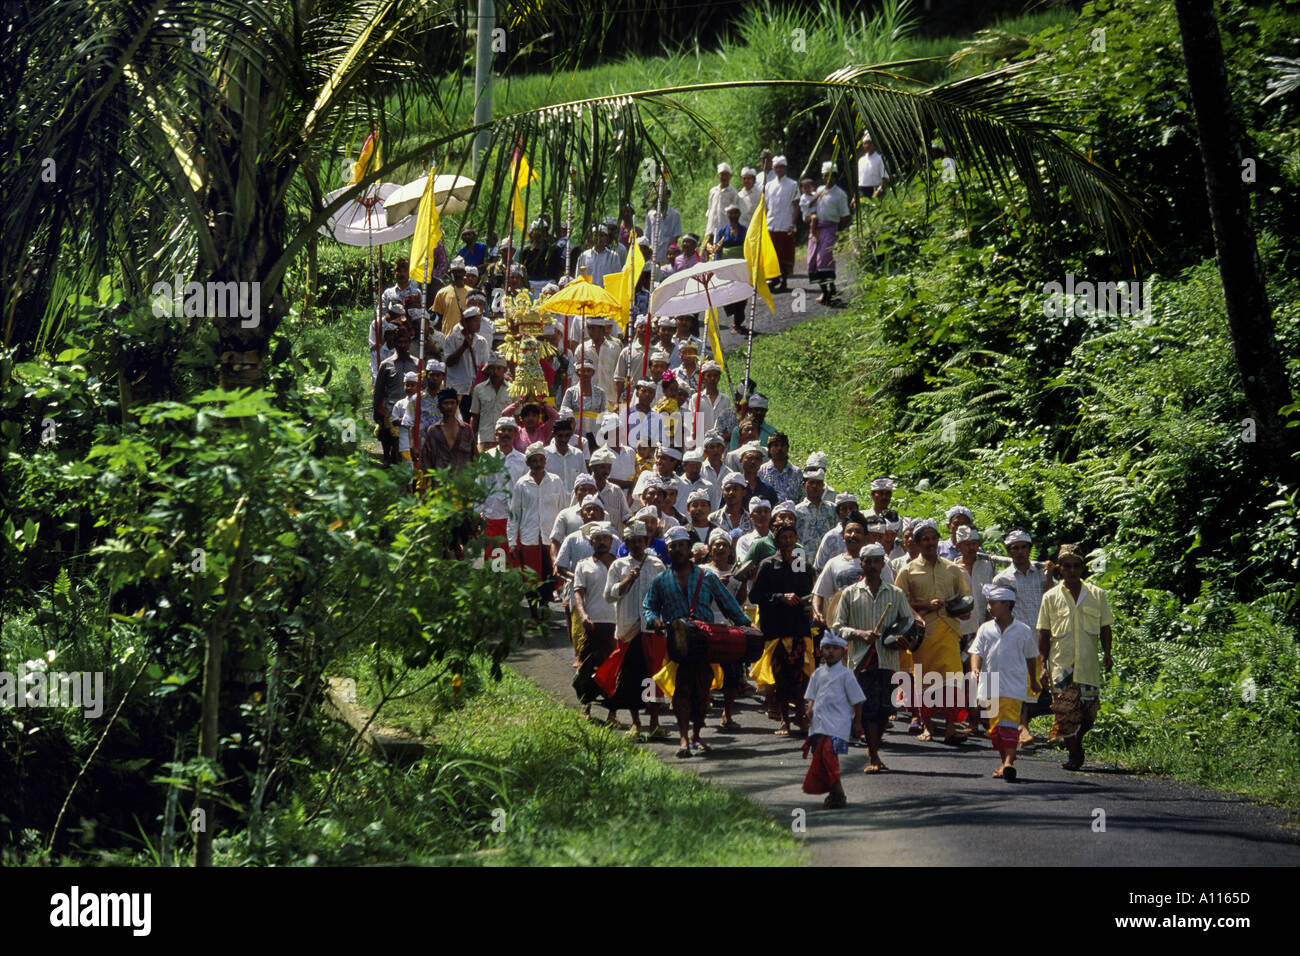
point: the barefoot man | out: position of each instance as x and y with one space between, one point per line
1074 622
867 610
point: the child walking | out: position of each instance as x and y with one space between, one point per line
1006 651
834 708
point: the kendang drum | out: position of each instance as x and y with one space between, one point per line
696 641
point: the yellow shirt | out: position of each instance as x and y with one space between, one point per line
922 582
448 303
1076 631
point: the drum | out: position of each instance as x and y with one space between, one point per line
697 642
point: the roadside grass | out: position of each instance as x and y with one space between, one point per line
517 779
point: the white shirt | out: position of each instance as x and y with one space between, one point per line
575 549
871 170
600 264
566 466
605 359
533 507
669 229
832 205
566 522
981 575
615 501
461 375
645 478
780 195
496 505
747 200
488 403
715 493
831 544
833 690
1006 654
720 197
627 608
843 570
589 577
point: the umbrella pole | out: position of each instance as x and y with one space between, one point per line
749 351
699 377
582 353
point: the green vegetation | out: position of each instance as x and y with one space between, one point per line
570 793
1128 433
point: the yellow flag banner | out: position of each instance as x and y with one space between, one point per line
761 254
428 233
368 161
711 323
622 285
523 176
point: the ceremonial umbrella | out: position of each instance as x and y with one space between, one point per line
367 220
581 297
450 196
704 286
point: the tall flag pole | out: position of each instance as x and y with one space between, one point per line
428 233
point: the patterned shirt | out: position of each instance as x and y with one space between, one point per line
720 518
787 481
667 599
813 521
1029 587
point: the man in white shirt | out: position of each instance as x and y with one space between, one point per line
720 197
780 194
611 495
830 215
596 616
535 499
488 400
562 459
466 353
872 175
627 582
693 480
496 504
603 350
749 194
663 228
601 259
715 469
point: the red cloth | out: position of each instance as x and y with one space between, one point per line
783 243
494 529
824 771
607 673
654 648
537 557
1006 738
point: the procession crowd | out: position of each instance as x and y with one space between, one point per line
643 495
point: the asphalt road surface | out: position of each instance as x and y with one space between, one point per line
937 804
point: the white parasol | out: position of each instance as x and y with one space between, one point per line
362 221
450 196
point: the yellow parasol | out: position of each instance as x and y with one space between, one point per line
581 297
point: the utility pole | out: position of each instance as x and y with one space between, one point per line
483 78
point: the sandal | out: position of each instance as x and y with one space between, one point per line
701 746
683 753
659 733
914 725
925 735
635 736
728 725
1009 774
781 732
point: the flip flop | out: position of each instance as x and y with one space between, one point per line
701 746
635 735
1009 774
914 725
683 753
869 769
781 732
925 735
659 733
728 725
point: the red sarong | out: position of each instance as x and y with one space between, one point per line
654 647
783 243
607 673
824 772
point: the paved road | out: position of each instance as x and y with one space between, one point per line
938 805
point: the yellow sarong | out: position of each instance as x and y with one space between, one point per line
667 678
762 669
940 652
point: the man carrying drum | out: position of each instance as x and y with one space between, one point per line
680 594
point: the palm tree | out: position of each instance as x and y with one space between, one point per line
1260 363
189 137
